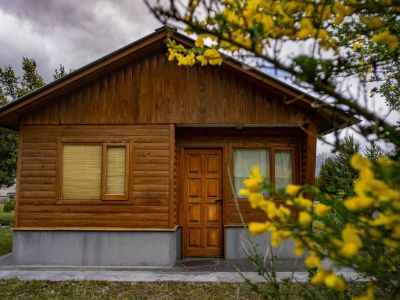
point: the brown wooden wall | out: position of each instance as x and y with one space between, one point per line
149 179
153 90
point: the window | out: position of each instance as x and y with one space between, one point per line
283 168
280 175
244 160
94 171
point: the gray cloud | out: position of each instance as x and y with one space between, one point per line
72 33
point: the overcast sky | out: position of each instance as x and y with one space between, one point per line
72 32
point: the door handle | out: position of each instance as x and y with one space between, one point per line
218 201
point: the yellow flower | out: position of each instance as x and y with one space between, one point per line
252 185
351 204
372 22
306 29
202 60
271 209
303 202
283 213
171 56
304 218
386 38
350 235
298 248
258 228
319 277
360 163
276 239
369 296
256 199
381 220
391 244
244 192
213 56
334 282
313 261
321 209
349 250
292 189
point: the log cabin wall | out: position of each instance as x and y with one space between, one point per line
148 205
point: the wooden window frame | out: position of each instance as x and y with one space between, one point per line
104 198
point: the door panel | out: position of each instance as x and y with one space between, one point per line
202 205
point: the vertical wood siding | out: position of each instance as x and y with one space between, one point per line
153 90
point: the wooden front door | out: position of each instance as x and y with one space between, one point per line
202 202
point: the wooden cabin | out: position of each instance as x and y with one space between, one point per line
134 160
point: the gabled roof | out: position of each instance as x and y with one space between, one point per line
329 118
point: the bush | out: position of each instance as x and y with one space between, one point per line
368 242
9 206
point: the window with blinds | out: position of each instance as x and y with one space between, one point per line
94 171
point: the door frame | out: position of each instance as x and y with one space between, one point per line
182 145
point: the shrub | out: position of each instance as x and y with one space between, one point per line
368 242
9 206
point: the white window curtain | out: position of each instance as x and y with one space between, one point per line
283 169
244 160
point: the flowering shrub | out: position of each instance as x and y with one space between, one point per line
369 242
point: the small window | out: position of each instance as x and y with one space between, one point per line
283 168
94 171
244 160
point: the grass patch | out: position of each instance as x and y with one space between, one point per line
15 289
5 241
6 218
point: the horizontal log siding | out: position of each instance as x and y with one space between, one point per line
149 184
153 90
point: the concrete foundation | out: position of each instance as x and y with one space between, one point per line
97 248
237 238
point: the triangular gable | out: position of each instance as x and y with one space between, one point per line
10 114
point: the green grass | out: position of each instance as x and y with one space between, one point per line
5 241
6 218
15 289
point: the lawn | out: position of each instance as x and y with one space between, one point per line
15 289
5 241
5 233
